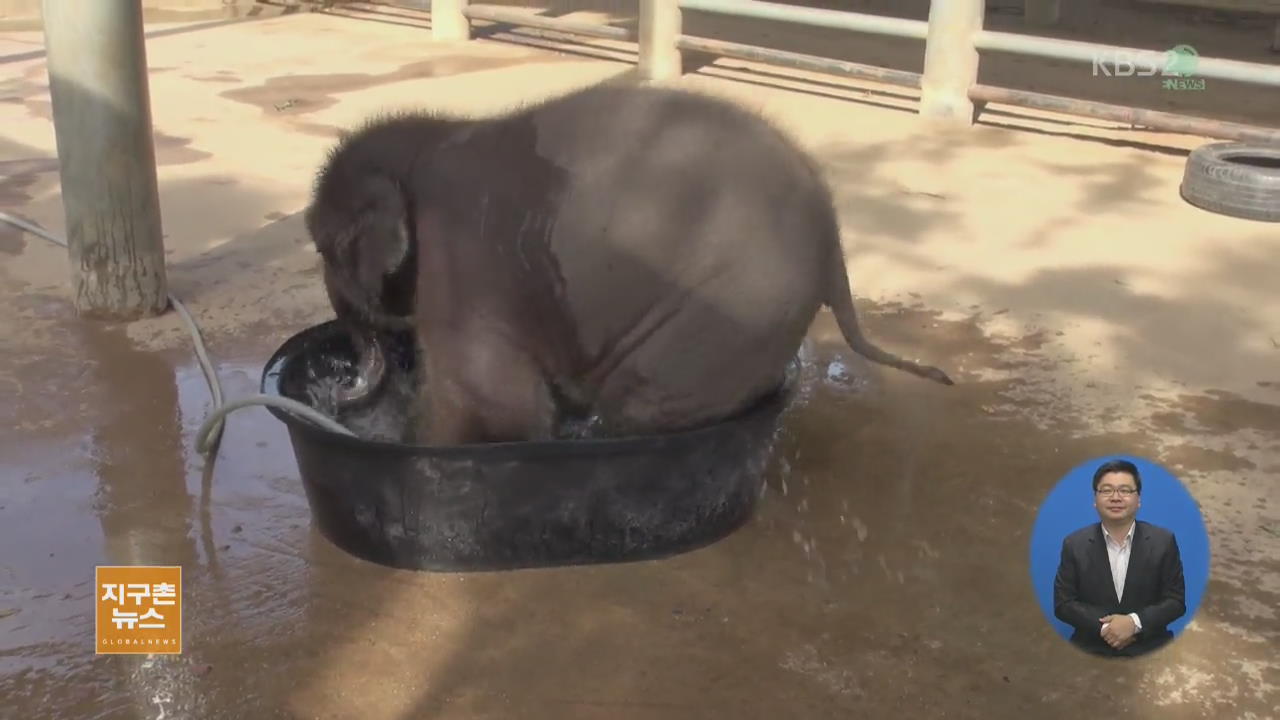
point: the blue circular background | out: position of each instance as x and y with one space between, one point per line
1165 502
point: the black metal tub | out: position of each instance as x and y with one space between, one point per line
526 504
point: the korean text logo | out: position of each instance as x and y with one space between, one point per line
139 609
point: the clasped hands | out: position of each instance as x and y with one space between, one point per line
1118 630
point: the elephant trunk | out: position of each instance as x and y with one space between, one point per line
370 371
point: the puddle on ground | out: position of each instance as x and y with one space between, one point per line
888 551
12 240
21 180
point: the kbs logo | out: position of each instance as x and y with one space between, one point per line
1179 61
139 609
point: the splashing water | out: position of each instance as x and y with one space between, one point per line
391 413
588 428
390 417
838 372
386 416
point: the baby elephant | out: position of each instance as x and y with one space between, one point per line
650 258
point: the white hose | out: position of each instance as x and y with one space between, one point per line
306 411
210 433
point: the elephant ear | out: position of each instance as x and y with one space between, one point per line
379 243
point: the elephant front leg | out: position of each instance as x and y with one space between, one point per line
479 389
445 416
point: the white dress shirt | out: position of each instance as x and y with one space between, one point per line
1118 554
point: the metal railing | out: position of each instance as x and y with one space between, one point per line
953 38
1084 52
834 19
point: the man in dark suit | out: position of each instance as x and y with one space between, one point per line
1119 582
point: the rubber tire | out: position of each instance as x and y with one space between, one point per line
1214 180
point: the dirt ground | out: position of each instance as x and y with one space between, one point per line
1051 268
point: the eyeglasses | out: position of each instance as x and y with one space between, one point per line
1108 491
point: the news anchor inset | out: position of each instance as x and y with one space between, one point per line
1119 582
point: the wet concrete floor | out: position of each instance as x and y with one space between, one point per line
886 570
884 573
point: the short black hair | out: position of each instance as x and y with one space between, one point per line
1123 466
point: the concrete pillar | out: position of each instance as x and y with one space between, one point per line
447 21
660 28
1042 12
951 60
102 124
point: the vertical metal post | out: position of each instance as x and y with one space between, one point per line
97 68
660 28
951 60
1042 12
448 22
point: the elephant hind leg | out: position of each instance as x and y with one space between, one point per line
700 366
481 388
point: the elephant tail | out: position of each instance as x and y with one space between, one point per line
840 299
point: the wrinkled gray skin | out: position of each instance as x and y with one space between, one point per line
647 256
